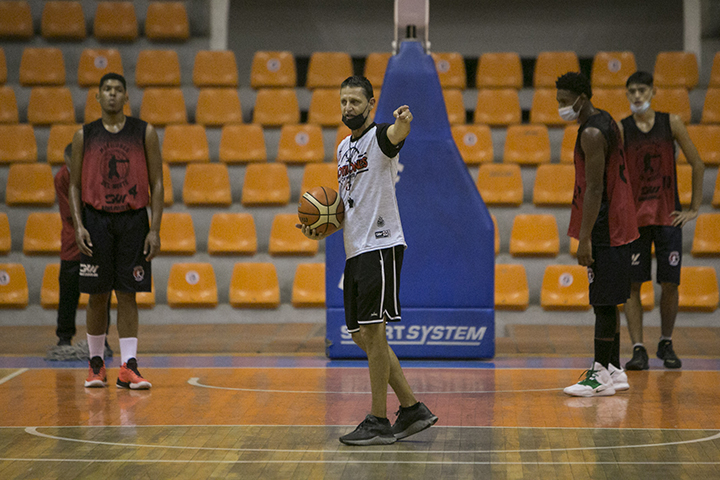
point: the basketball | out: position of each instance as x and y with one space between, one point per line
321 208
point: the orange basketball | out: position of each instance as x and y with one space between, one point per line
322 209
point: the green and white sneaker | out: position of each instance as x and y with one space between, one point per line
597 383
619 378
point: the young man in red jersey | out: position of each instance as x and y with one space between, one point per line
649 139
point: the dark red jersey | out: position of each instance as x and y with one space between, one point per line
651 160
68 248
615 224
114 173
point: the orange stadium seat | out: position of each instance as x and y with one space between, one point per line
511 287
698 289
567 150
143 299
16 22
218 106
715 72
115 22
612 100
498 107
273 69
254 285
301 144
325 107
168 198
328 69
706 241
167 21
676 70
50 105
185 144
232 234
192 285
500 184
474 143
30 184
42 66
17 144
497 234
157 68
266 184
3 67
565 287
8 105
13 286
454 105
242 144
207 184
684 184
534 235
50 288
499 70
612 69
92 107
163 106
287 239
42 233
527 145
451 70
213 68
319 175
94 63
673 100
177 234
375 66
554 185
544 108
711 107
275 107
63 21
647 297
716 192
706 139
308 289
5 238
550 65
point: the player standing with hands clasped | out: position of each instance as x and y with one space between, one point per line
374 245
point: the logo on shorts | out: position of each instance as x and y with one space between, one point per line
380 221
591 275
138 273
382 234
674 259
635 259
87 270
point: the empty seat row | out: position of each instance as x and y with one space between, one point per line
114 21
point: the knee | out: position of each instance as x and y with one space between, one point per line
98 300
372 335
358 339
668 288
126 299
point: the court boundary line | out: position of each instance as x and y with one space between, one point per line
16 373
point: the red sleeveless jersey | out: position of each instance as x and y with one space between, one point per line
651 160
616 223
114 173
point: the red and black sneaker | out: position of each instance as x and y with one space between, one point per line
129 377
97 378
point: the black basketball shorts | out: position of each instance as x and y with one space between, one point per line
609 275
117 261
371 287
668 252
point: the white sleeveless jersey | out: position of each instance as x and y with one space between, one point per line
367 168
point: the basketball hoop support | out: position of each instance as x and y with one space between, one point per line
412 18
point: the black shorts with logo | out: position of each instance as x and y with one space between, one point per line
609 275
117 261
371 287
668 252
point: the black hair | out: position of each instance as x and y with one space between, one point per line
113 76
359 81
640 77
68 150
575 82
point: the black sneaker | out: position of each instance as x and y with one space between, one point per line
412 420
64 342
666 353
372 431
639 359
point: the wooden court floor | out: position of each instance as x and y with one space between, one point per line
279 417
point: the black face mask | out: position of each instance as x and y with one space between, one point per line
355 122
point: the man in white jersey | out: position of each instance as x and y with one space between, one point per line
374 245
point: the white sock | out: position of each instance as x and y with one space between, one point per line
638 345
665 338
128 348
96 345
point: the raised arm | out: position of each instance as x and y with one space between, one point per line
680 134
157 193
398 131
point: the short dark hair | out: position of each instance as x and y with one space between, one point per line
113 76
359 81
68 150
643 78
575 82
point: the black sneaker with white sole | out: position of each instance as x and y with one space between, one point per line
639 359
666 353
372 431
412 420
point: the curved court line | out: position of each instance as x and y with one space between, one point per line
195 381
33 431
